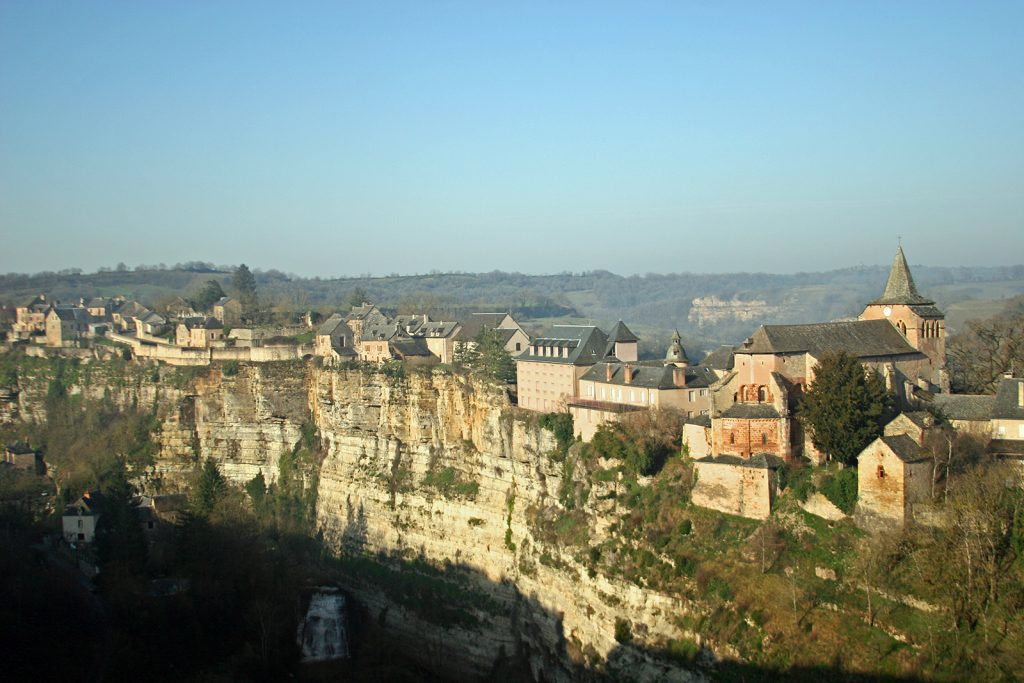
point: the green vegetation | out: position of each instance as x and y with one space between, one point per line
209 295
841 489
488 356
559 424
243 284
845 406
449 483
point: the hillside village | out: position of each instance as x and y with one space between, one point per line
739 405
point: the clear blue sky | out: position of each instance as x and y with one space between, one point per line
334 138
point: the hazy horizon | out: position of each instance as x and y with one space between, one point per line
341 140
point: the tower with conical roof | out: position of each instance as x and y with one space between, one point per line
622 343
676 354
914 315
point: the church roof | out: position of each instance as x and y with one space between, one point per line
675 352
861 338
900 288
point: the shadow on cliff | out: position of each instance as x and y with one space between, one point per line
413 621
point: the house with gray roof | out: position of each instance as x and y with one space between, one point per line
334 339
894 472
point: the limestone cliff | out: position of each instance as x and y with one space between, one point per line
427 467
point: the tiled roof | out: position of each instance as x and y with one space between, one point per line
861 338
900 288
404 348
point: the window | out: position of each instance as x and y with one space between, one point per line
519 346
79 524
764 439
881 472
732 438
691 395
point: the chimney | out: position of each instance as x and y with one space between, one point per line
627 373
679 376
610 370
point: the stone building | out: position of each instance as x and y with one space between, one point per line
361 317
1008 410
66 325
200 334
334 339
754 405
228 311
78 522
738 486
894 472
31 318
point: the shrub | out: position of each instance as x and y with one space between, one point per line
230 368
841 489
623 632
559 424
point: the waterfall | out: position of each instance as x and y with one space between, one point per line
322 633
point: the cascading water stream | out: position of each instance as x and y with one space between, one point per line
322 633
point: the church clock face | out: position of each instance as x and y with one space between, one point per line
887 311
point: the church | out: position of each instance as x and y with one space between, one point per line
901 335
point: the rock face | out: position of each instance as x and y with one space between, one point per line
425 467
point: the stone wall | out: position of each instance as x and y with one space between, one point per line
735 489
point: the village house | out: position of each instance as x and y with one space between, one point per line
228 311
966 413
199 333
439 338
22 458
894 471
549 370
30 319
79 520
100 308
361 317
179 308
125 315
334 339
66 325
510 332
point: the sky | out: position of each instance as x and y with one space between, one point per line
350 138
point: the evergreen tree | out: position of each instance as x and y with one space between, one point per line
208 295
244 284
845 407
357 297
209 489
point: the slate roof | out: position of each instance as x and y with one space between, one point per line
474 323
760 461
751 411
1007 406
405 348
436 330
861 338
38 304
130 309
620 333
212 324
1009 448
649 377
382 332
900 287
330 326
719 359
19 448
702 420
586 343
904 448
360 312
72 314
964 406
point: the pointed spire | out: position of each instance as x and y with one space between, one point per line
900 288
